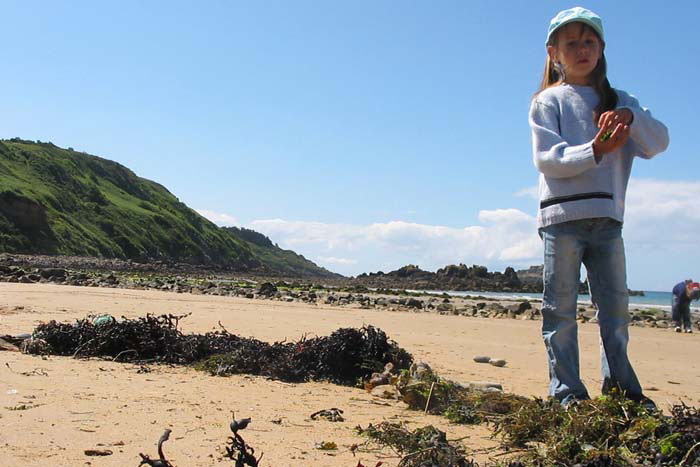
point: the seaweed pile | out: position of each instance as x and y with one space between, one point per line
346 357
607 431
426 446
610 430
422 389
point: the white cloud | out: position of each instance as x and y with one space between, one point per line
665 214
220 219
662 222
522 250
505 236
662 199
504 217
334 260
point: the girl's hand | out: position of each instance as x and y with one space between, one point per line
613 117
614 132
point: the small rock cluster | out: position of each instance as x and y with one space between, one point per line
499 362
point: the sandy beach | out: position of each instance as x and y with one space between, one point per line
70 405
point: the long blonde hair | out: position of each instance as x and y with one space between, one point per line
554 75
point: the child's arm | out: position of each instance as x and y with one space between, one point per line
648 136
553 156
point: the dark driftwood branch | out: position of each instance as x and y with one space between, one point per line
237 449
162 462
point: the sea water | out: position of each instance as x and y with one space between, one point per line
650 299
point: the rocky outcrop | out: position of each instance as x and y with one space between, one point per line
452 277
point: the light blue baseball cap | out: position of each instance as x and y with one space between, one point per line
579 14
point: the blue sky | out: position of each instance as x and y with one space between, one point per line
365 135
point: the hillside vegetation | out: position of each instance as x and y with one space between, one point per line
62 202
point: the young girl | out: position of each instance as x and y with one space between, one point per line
585 135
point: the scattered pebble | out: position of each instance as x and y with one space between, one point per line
497 362
485 386
482 359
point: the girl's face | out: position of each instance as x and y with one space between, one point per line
577 48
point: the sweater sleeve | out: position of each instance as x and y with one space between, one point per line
552 154
649 136
679 289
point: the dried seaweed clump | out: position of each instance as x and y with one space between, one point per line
347 356
607 431
423 447
151 338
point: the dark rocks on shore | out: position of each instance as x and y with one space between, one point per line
48 273
349 296
267 289
460 278
452 277
414 303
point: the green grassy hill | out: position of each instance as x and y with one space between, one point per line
62 202
283 261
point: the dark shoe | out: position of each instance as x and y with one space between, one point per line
572 401
678 329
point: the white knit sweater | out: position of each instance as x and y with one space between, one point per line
572 184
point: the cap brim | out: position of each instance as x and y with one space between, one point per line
586 21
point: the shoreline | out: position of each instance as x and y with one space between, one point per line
532 297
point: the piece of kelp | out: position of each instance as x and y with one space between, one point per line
607 431
345 357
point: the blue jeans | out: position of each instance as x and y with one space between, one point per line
598 244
